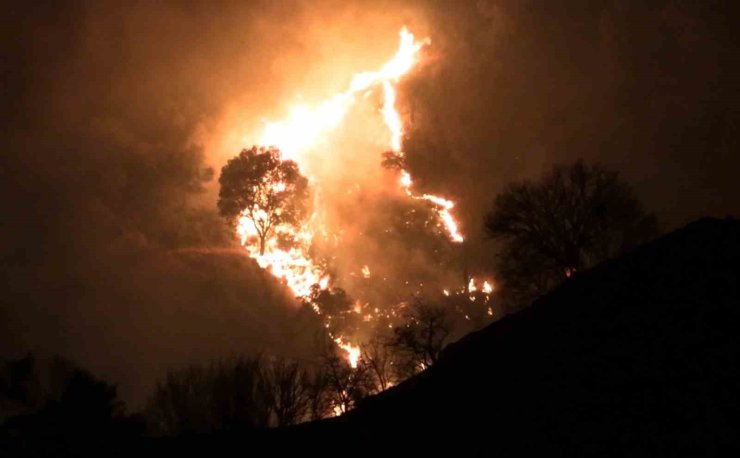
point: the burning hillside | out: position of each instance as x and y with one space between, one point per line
327 204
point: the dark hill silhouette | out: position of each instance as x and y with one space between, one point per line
636 357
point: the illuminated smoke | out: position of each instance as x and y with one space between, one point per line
296 136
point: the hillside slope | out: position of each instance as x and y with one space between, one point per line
638 356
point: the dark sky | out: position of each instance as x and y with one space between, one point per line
111 251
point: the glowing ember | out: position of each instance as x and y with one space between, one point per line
366 272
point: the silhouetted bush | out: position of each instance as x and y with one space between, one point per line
241 394
418 343
571 219
227 395
61 410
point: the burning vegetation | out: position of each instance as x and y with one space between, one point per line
335 216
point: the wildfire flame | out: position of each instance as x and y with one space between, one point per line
443 207
304 125
300 131
290 265
353 351
486 287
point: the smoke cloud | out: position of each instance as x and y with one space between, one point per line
119 115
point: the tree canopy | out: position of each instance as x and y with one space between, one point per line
263 187
572 218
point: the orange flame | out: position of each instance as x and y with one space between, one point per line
290 265
304 125
301 131
443 207
353 351
487 287
391 117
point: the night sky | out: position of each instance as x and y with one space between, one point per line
111 249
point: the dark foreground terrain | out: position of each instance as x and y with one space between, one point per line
637 357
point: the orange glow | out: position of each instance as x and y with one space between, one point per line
305 125
294 135
405 180
290 265
442 207
487 287
303 129
353 351
391 117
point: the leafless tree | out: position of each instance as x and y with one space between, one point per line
345 385
227 395
289 389
420 341
377 357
